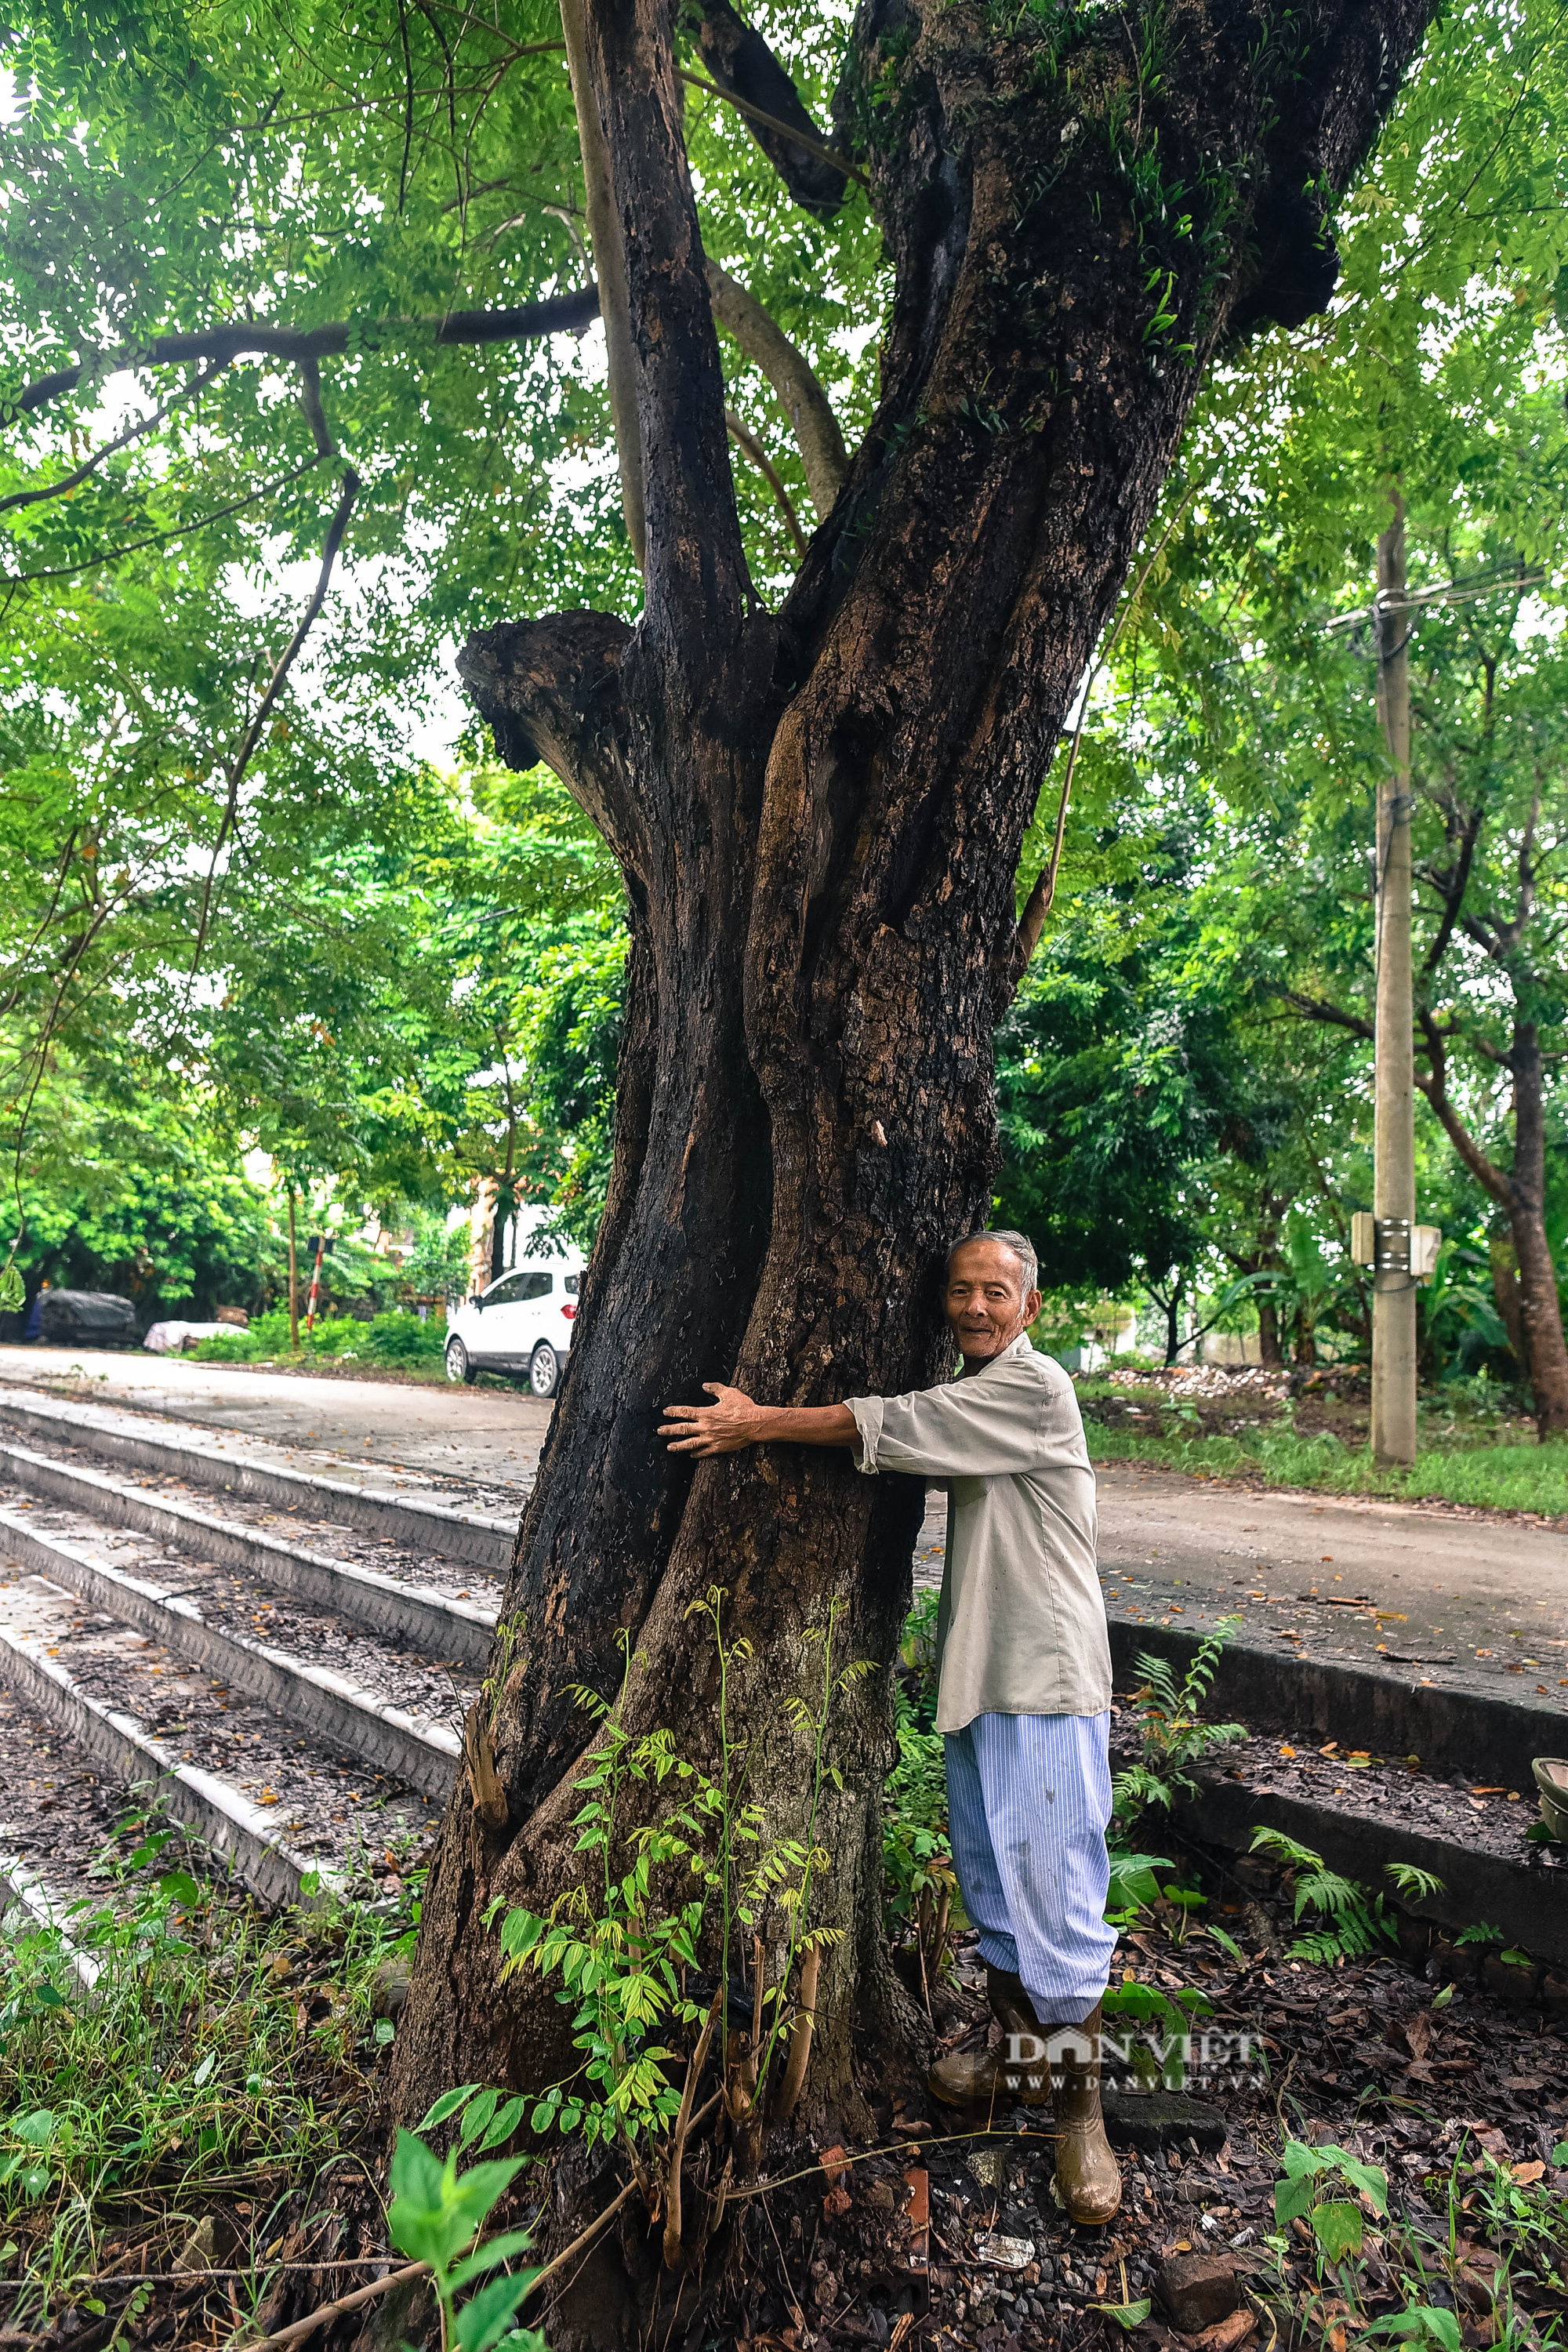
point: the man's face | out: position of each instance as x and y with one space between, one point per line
987 1305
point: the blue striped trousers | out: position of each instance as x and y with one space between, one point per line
1028 1801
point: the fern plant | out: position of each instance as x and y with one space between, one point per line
1176 1737
1349 1920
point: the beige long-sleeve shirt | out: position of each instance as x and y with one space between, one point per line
1021 1628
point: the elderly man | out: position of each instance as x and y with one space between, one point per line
1024 1689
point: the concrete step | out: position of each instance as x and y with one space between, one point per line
446 1624
1527 1905
69 1673
350 1712
480 1536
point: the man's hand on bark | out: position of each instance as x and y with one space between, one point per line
735 1422
726 1427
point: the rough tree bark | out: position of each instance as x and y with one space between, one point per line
818 812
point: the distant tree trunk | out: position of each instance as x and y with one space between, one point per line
1520 1192
818 813
1168 1303
1505 1291
1304 1340
1269 1348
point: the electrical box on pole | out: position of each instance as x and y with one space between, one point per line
1394 1147
1390 1245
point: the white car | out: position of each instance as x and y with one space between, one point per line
523 1323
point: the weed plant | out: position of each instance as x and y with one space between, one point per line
667 1899
1356 2266
222 2056
920 1886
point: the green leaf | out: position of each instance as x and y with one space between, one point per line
485 2319
417 2173
1127 2315
1337 2226
478 2116
180 1887
446 2104
485 2258
1292 2198
203 2071
36 2128
503 2126
1422 2318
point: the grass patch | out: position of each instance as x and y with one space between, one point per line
224 2057
1497 1477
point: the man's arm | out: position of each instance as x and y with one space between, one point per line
735 1423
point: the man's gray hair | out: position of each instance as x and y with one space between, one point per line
1022 1248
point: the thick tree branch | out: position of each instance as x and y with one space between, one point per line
1317 1008
254 339
747 73
550 690
136 431
1451 886
610 262
800 395
696 592
750 447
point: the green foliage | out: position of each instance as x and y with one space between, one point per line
361 920
395 1339
1312 2175
1488 1475
1418 1885
129 1193
436 2212
191 2062
1412 2265
665 1895
919 1884
1169 1106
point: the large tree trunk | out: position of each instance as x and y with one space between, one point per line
820 814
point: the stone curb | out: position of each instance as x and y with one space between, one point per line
1379 1709
1530 1905
234 1828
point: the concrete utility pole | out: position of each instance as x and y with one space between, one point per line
1394 1147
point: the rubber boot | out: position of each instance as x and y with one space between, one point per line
1017 2069
1088 2178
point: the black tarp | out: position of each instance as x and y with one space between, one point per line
93 1315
